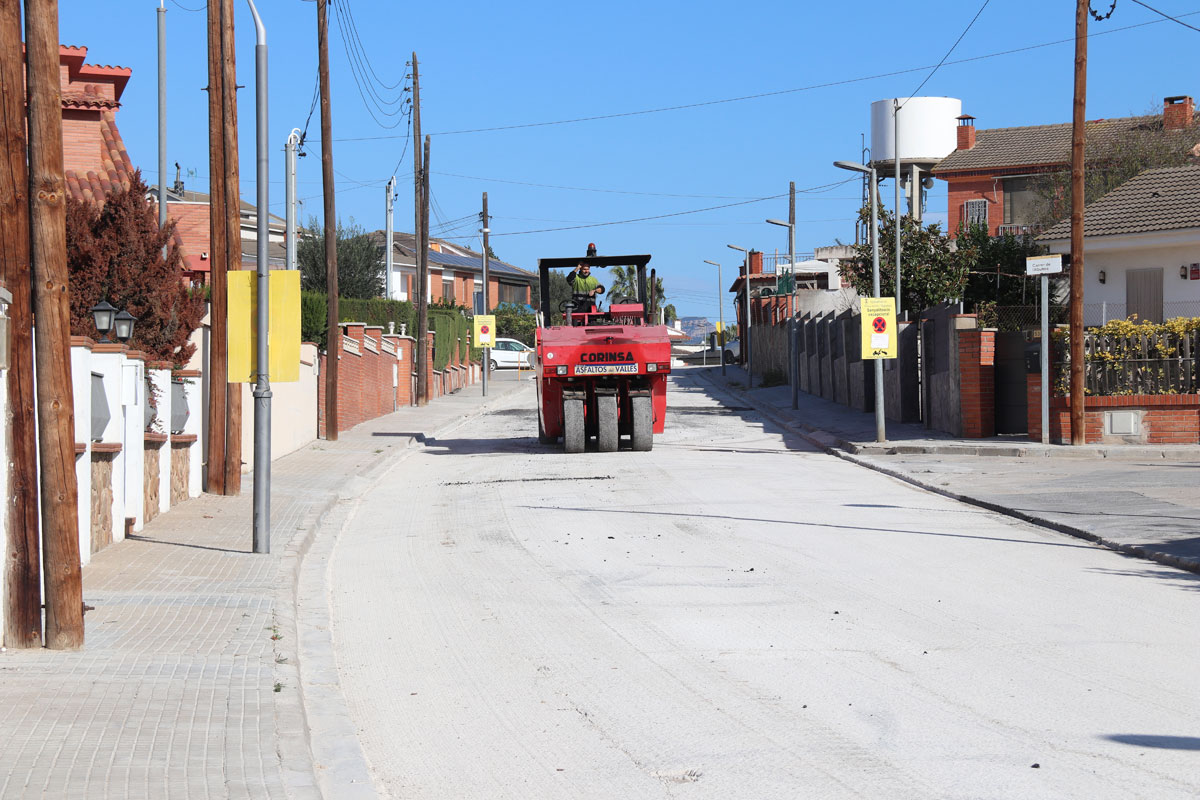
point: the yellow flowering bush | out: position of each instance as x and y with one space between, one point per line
1110 348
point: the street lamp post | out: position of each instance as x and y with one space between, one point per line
720 317
880 429
746 334
792 378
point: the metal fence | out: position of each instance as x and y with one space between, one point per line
1141 363
1029 317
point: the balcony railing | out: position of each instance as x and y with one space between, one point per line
1018 230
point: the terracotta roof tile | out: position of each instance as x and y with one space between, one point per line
1040 145
1163 199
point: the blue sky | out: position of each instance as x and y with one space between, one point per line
486 65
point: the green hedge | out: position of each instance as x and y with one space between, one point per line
451 329
314 312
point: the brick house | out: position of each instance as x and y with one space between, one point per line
96 163
94 156
456 273
190 210
991 173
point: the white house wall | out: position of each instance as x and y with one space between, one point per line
1117 255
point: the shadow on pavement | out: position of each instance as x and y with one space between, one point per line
1189 582
133 537
1153 740
804 523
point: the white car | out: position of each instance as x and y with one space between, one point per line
511 353
733 351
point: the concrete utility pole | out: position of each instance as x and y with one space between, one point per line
218 364
792 246
487 351
262 389
55 404
422 282
22 562
333 339
293 142
896 165
233 239
390 191
1078 436
162 116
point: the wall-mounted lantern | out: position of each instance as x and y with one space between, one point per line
102 315
124 325
1102 276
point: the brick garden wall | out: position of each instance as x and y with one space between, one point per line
1163 418
375 375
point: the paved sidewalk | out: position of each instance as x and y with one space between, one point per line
1140 500
188 684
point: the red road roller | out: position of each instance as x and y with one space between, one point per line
602 374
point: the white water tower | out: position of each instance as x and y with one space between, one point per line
923 132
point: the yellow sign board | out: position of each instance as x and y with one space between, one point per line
284 326
878 327
485 330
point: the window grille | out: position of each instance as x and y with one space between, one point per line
975 212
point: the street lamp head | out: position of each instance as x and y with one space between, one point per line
735 247
853 166
715 264
780 223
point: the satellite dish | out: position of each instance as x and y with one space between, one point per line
927 182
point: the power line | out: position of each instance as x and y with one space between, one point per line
948 52
761 95
822 187
1167 16
606 191
358 39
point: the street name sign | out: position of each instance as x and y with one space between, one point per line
1043 265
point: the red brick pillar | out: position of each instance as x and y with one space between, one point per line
351 376
431 391
977 389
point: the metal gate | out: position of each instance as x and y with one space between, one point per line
1011 399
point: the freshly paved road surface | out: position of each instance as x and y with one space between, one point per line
735 615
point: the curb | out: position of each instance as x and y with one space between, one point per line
848 451
339 767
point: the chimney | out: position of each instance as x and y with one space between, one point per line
755 262
1177 112
966 132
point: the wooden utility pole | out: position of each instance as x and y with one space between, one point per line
218 363
22 571
333 348
55 404
423 271
1078 435
233 237
421 245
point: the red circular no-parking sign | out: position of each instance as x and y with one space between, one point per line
484 329
879 324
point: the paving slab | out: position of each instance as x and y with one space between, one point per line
188 684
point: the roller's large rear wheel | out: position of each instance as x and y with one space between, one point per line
606 419
643 423
574 436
